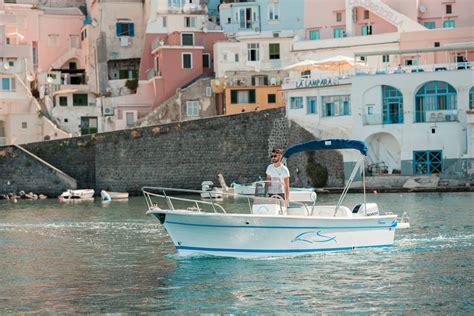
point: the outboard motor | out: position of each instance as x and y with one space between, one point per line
368 209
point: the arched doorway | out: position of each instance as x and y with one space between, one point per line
384 154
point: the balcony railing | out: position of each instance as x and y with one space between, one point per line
414 69
382 119
435 116
151 73
3 141
160 42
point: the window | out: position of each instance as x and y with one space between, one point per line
187 39
186 60
208 91
236 57
11 62
8 41
471 98
273 11
206 61
306 74
35 56
449 8
271 98
366 29
437 44
245 15
127 74
410 62
449 24
74 41
164 21
338 105
392 105
192 108
88 125
370 109
189 21
386 58
242 96
433 97
53 40
296 103
314 35
253 52
338 17
79 100
427 162
274 51
125 28
310 105
83 34
366 14
24 125
430 25
63 101
130 119
259 80
338 32
8 84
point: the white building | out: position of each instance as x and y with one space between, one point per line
416 119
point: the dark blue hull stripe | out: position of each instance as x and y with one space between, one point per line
281 227
278 250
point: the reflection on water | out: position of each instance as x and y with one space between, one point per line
94 257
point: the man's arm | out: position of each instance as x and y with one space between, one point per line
268 178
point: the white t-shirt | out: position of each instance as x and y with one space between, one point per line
277 174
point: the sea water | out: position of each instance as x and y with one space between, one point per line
92 257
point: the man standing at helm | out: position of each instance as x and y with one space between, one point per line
279 175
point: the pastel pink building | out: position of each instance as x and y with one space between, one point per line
346 18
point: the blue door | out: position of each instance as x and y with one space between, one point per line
427 162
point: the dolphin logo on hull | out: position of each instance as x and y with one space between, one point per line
313 236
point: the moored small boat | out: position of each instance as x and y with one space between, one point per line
108 195
83 194
209 191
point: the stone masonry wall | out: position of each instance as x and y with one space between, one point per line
20 172
182 155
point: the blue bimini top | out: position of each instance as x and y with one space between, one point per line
327 144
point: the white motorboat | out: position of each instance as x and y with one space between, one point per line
84 194
269 227
108 196
209 191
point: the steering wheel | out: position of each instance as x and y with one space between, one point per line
276 196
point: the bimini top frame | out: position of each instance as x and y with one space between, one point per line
326 144
335 144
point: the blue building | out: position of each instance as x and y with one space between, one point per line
261 15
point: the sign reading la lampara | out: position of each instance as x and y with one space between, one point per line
310 83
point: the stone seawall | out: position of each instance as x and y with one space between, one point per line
184 154
19 171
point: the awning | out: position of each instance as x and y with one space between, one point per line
327 144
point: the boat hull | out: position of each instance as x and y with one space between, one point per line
248 236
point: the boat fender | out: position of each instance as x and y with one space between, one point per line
105 196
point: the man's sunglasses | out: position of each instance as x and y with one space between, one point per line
274 156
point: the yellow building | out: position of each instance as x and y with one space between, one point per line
252 98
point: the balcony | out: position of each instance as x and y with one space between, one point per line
179 6
167 42
436 116
414 69
382 119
